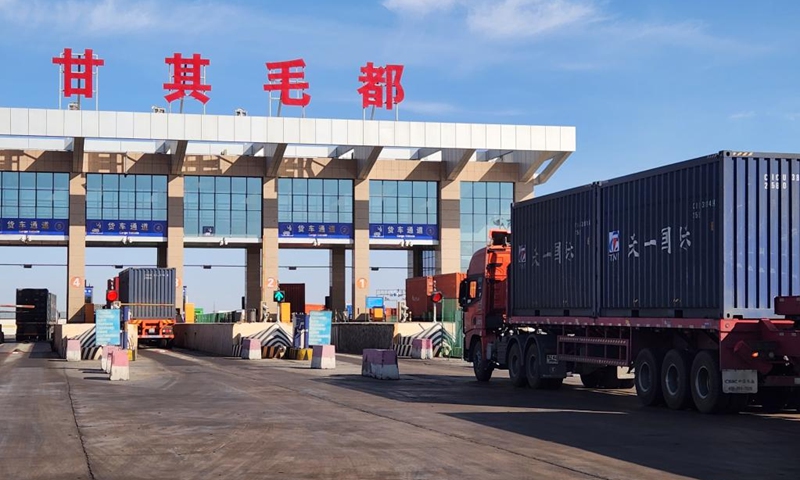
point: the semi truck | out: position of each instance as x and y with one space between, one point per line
681 281
147 299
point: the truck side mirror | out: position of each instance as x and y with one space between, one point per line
462 293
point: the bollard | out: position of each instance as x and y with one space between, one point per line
119 366
73 353
422 348
104 357
381 364
251 349
323 356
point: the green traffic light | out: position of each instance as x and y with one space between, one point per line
278 296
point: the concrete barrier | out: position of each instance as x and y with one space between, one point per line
105 356
422 348
73 353
323 356
251 349
381 364
120 366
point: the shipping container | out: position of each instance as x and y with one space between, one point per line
149 291
448 283
31 332
418 296
554 255
295 295
45 308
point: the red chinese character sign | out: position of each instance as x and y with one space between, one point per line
78 74
381 86
285 77
186 79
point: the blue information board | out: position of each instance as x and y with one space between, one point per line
319 328
403 230
34 226
315 230
145 228
107 331
374 302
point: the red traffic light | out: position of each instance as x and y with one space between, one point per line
436 297
112 296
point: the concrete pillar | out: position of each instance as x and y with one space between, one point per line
361 267
523 191
338 276
448 252
252 276
415 264
269 245
171 254
76 248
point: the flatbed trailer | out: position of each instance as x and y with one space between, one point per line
157 332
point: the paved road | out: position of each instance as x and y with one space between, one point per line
194 417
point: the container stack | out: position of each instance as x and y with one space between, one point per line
32 322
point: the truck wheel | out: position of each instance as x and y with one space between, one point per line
532 370
516 366
483 372
706 383
675 379
648 377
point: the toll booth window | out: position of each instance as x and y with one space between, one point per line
30 196
221 206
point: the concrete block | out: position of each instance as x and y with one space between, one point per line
422 348
73 353
105 356
273 352
120 366
381 364
323 356
251 349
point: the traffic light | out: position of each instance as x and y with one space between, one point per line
112 291
436 297
278 296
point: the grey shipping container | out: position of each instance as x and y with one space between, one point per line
553 259
45 308
712 237
151 291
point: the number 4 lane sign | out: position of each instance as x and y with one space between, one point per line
278 296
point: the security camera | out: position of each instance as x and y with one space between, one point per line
240 112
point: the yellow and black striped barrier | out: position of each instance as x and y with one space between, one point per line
299 354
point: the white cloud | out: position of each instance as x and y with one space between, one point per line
529 18
418 7
741 115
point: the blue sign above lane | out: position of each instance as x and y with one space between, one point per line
403 230
146 228
315 230
33 226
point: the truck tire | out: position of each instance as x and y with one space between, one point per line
706 383
481 367
675 385
648 377
532 370
516 366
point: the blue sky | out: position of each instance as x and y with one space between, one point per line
645 82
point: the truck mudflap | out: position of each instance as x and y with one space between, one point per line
757 353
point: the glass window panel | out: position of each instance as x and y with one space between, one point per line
254 224
92 213
420 205
144 201
206 185
191 184
432 187
493 206
375 188
27 181
481 234
222 201
61 181
254 186
109 214
159 201
505 207
191 225
222 222
284 186
390 188
315 216
374 217
345 217
299 203
61 199
314 203
159 183
346 204
284 216
27 212
315 186
11 198
238 201
346 188
330 217
127 200
431 205
27 198
390 218
419 189
507 190
44 212
254 202
479 190
160 214
191 201
128 214
127 183
300 217
239 185
10 180
44 181
110 182
466 223
10 211
331 187
300 186
207 218
389 205
432 219
405 217
404 189
61 213
492 190
222 185
284 203
466 205
143 214
466 247
375 205
466 190
44 198
479 205
404 205
466 235
331 204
